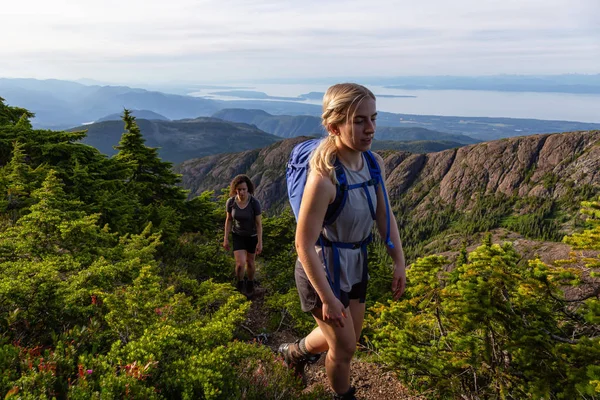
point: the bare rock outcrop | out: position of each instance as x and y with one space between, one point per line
537 165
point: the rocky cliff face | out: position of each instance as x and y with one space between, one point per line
540 165
266 168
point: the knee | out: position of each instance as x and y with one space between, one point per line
239 265
342 352
250 264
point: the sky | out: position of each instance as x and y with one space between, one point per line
128 41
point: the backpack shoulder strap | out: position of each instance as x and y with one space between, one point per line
251 203
341 194
375 171
230 203
374 168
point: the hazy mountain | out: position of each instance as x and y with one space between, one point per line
417 146
181 140
410 134
139 114
545 166
62 104
306 125
280 125
482 128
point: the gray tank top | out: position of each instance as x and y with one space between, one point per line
353 225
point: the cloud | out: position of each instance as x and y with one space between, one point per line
237 39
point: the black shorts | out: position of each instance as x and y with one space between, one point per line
309 298
247 243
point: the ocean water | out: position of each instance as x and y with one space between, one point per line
467 103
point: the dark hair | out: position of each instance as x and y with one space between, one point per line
240 179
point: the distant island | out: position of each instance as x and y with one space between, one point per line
251 94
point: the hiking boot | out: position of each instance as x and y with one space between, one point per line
250 287
349 395
294 358
240 286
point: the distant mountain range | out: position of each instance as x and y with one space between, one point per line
305 125
281 125
181 140
139 114
192 138
64 104
416 146
483 128
404 134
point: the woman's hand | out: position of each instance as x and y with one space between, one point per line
399 281
226 244
334 312
258 248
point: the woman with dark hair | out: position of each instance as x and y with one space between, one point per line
244 216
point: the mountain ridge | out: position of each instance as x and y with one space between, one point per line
181 140
547 165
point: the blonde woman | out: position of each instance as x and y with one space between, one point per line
349 115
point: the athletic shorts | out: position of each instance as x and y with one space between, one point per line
309 298
247 243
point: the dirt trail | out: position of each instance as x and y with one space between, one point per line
370 379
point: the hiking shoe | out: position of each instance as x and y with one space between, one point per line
294 359
349 395
250 287
240 286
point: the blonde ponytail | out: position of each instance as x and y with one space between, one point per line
323 158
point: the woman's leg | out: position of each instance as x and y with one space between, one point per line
316 342
342 345
357 310
240 267
250 266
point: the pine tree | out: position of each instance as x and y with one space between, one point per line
54 225
18 179
462 258
151 179
150 182
13 115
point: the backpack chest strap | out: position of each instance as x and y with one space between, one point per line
365 186
334 281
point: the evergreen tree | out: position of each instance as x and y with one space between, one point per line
150 182
13 115
151 179
17 180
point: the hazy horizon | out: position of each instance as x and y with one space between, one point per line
592 79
